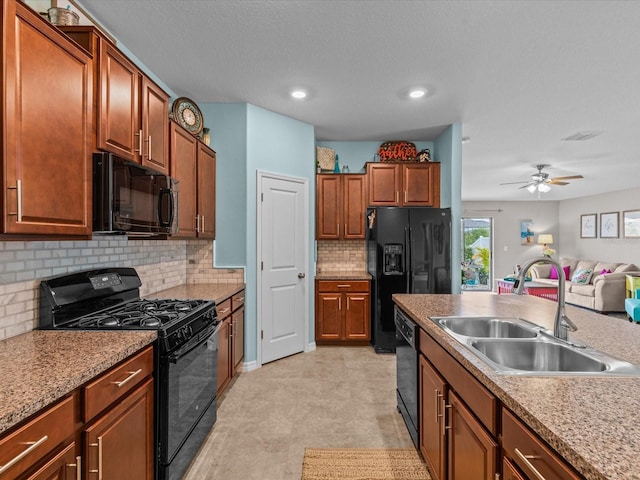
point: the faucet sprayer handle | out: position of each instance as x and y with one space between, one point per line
568 324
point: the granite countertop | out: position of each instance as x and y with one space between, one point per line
591 422
329 275
42 366
201 291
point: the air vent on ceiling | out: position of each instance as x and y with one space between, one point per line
581 136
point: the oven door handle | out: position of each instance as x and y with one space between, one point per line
195 342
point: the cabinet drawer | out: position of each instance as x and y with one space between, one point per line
114 384
343 286
224 309
530 453
27 445
237 300
473 393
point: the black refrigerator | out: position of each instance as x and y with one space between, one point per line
408 251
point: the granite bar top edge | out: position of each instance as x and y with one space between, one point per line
337 275
42 366
599 447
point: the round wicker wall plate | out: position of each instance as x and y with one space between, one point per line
188 115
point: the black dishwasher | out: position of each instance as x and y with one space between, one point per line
407 372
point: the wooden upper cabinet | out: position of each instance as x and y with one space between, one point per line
132 111
155 119
206 193
404 184
118 104
194 165
47 128
183 151
385 183
340 206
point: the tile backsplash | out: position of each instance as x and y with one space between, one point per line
341 256
161 264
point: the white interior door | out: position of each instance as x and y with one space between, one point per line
283 257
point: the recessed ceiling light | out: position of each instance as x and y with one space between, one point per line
298 94
417 93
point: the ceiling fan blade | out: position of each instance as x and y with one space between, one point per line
571 177
527 185
554 182
513 183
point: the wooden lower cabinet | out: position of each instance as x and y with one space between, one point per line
120 443
63 466
509 471
526 450
473 453
230 338
433 443
343 311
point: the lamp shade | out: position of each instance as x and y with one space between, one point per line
545 238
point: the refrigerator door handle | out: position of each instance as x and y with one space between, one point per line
407 257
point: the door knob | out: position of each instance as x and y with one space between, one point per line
301 275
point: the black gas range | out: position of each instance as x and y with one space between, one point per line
186 353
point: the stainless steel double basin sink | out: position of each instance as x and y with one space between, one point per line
513 346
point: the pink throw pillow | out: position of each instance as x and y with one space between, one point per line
554 272
604 271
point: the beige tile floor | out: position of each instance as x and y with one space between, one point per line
330 398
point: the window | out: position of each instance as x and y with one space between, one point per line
477 254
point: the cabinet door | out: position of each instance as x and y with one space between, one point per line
385 183
509 471
120 444
421 185
357 320
48 112
354 201
238 338
472 452
63 466
155 122
433 390
329 316
118 105
183 148
328 207
206 209
224 354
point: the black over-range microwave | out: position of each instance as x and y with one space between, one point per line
131 199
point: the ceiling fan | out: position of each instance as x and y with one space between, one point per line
540 180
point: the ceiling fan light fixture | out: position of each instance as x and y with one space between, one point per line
544 188
531 188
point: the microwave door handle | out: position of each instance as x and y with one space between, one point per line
164 192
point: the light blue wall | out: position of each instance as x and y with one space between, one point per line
448 149
356 154
275 144
228 125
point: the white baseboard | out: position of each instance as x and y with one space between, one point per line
310 347
250 366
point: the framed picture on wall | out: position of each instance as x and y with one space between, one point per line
588 224
526 232
609 225
631 221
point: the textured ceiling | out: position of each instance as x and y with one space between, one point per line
518 76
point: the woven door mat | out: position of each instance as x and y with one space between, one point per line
363 464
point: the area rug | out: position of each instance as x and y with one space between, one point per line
363 464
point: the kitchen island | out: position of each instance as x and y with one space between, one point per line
592 422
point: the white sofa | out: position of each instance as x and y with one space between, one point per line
603 292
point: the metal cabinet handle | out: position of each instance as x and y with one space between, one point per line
438 397
149 148
405 196
525 459
241 299
338 227
99 470
339 303
397 197
343 285
139 135
197 223
345 230
224 310
24 453
447 427
128 379
77 466
348 302
202 224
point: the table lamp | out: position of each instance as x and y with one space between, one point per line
545 239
